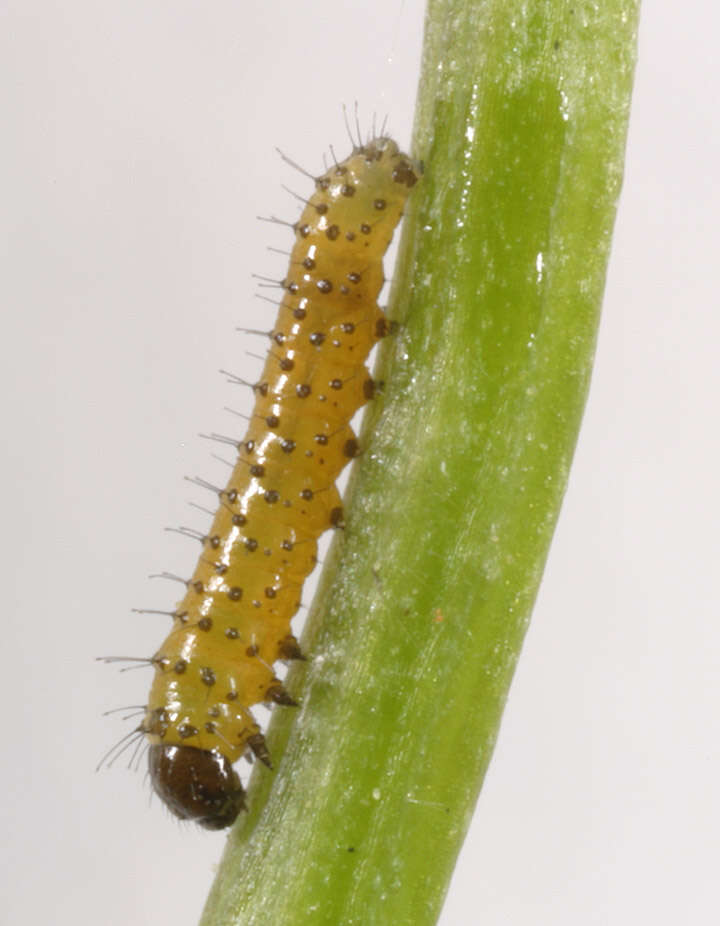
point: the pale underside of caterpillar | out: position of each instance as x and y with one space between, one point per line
234 622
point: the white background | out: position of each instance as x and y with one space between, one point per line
137 149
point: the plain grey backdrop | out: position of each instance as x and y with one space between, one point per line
137 149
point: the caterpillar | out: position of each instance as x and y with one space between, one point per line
233 623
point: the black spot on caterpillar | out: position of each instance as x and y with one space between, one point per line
234 622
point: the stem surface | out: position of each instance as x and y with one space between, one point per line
423 606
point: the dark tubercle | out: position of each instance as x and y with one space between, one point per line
197 784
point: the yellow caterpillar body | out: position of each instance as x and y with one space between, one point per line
234 622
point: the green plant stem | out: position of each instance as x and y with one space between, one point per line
423 607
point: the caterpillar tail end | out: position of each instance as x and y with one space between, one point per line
197 784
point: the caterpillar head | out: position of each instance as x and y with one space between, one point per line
197 784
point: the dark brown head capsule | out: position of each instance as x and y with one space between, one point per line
196 784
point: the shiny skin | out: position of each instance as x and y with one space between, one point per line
233 623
